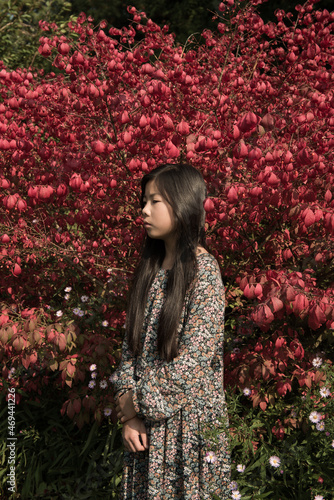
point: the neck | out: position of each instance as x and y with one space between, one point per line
168 261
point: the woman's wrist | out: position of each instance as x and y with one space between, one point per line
128 419
125 409
125 418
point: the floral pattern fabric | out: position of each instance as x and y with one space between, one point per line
182 400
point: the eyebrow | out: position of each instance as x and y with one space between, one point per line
153 194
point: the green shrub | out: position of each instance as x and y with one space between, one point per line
57 460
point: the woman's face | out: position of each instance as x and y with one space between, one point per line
158 214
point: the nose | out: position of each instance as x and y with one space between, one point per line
145 210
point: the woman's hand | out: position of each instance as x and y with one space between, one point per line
124 408
135 435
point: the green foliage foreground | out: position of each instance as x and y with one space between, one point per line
56 460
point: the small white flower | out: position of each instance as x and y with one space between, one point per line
93 375
107 412
92 367
210 457
241 468
320 426
247 391
315 417
59 314
317 362
67 296
319 497
35 221
103 384
84 298
333 443
109 271
68 289
78 312
236 495
105 323
274 461
236 350
92 384
324 392
233 485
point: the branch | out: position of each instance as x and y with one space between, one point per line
6 26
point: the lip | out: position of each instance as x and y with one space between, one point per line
147 224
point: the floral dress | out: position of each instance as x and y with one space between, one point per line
180 401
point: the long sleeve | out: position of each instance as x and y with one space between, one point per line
161 392
123 378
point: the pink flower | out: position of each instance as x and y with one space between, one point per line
315 417
274 461
210 457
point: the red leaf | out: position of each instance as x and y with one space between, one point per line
209 206
26 362
70 409
172 150
277 304
70 369
316 317
17 270
183 128
268 121
308 381
263 405
61 342
309 217
77 405
232 195
328 196
249 291
263 315
98 147
249 121
300 305
280 342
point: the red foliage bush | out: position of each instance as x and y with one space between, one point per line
252 108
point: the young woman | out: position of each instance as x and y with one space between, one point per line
169 385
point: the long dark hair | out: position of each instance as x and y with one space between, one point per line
183 187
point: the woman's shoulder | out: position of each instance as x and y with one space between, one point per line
203 256
207 265
208 282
